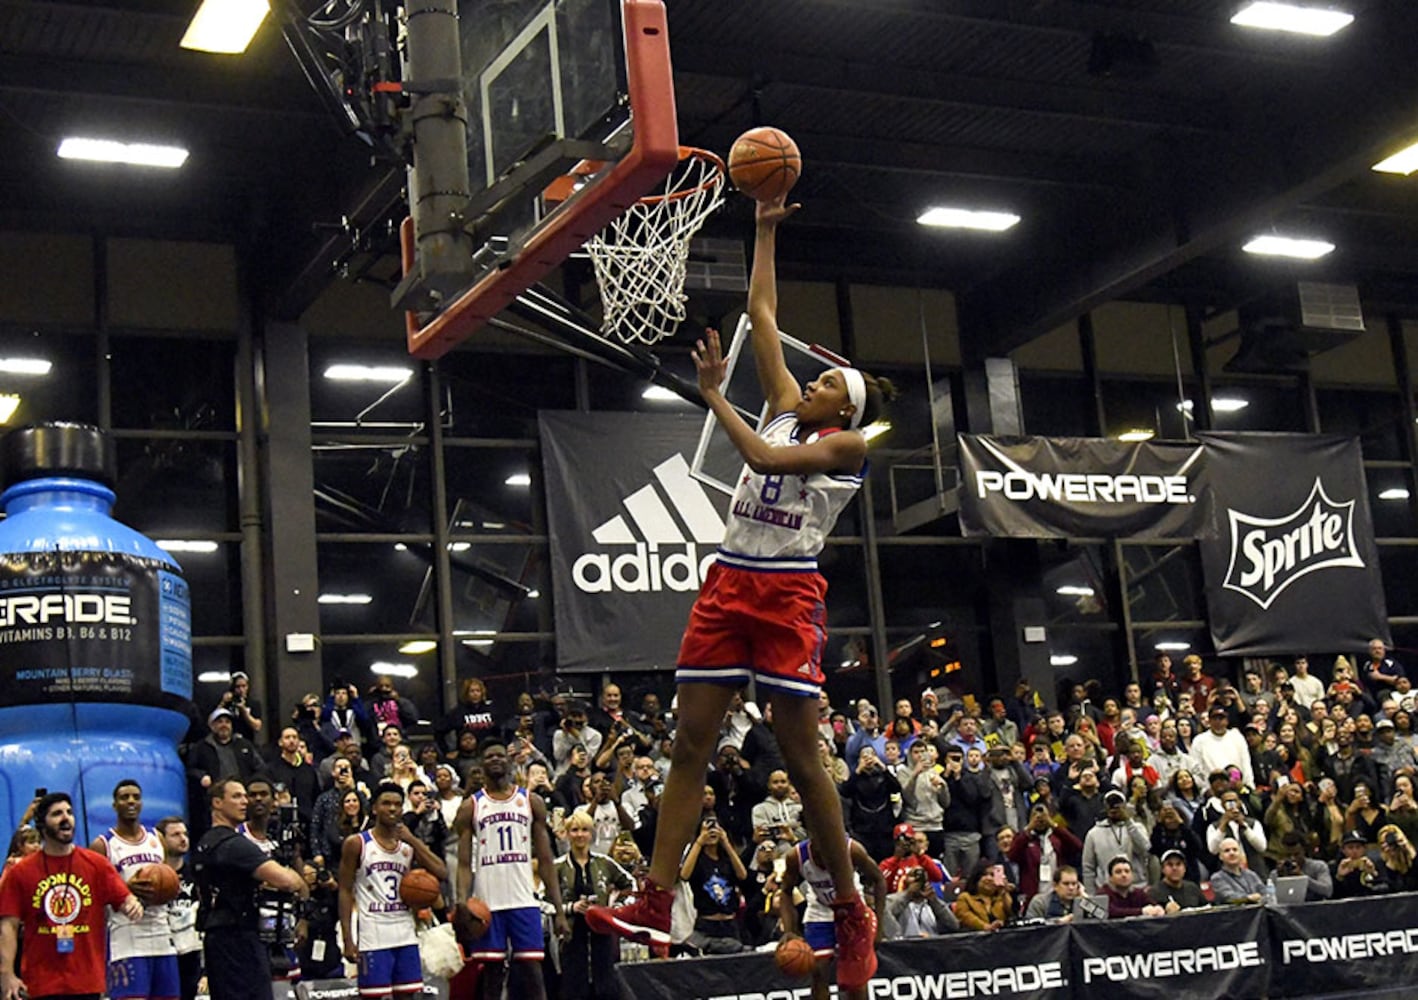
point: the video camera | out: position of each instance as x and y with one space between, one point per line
279 910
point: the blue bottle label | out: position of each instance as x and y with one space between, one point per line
93 626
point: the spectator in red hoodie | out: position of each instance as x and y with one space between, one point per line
906 855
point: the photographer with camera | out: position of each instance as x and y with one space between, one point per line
245 710
872 797
1356 873
1397 855
229 870
917 912
281 928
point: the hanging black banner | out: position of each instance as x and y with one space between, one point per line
1034 487
1288 556
631 535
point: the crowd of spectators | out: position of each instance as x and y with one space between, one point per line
1182 790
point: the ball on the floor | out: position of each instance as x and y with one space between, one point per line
795 958
419 889
764 163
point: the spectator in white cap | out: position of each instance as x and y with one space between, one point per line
1389 751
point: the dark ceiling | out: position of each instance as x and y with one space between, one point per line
1137 178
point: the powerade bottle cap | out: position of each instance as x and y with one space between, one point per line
57 449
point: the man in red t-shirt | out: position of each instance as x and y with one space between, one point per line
57 895
906 856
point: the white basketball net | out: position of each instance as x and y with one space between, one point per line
640 258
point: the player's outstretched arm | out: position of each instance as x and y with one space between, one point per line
780 389
830 453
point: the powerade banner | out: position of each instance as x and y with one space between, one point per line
1347 948
1034 487
93 626
1288 556
1227 949
1020 962
631 535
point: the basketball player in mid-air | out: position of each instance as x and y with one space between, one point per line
142 961
372 868
760 613
504 828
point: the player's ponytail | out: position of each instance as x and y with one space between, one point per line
880 391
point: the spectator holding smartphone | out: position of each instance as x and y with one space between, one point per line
715 874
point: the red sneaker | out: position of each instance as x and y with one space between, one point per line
645 918
856 942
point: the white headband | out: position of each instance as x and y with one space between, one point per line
856 393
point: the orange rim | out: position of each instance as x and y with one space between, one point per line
715 175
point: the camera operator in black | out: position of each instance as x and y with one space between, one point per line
229 869
278 837
320 956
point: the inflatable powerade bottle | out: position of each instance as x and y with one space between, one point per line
95 637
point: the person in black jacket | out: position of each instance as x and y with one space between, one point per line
969 797
221 754
871 793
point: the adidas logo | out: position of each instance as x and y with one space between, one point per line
666 556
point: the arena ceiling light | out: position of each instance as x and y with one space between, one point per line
1062 659
1394 493
134 154
518 479
214 677
1074 590
185 545
1295 18
1137 434
225 27
659 394
416 647
1294 247
25 366
391 374
1404 162
1172 647
479 642
950 217
1219 404
9 403
876 429
345 599
394 669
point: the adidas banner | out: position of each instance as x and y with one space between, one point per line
1288 556
1034 487
631 535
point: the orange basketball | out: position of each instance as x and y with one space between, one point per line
764 163
478 913
794 956
160 881
419 889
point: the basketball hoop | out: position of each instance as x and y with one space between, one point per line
640 258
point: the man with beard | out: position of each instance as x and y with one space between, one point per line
182 911
141 960
56 897
507 828
229 869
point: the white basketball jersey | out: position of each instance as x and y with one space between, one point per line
821 890
150 934
784 519
502 840
382 919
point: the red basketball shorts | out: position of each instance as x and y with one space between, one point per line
767 625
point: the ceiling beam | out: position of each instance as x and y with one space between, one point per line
933 88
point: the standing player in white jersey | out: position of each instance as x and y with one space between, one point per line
818 928
372 868
760 614
501 829
142 962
